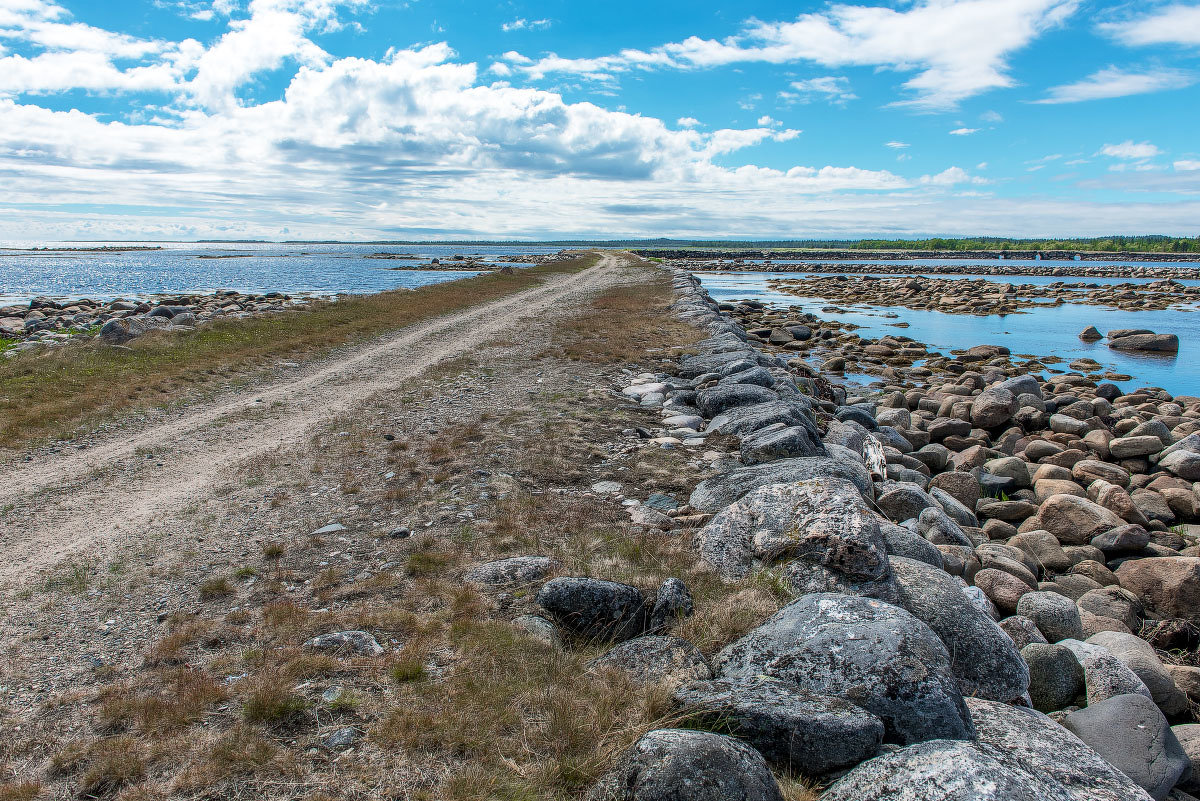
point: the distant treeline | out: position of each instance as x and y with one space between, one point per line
1100 244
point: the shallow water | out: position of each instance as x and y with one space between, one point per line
1040 332
180 268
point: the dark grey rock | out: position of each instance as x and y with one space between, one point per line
673 602
711 402
937 527
1056 616
779 441
871 653
901 541
684 765
810 734
514 570
1055 676
900 502
593 609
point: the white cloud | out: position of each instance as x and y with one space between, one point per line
522 24
767 122
835 89
898 145
688 122
1130 150
1177 24
993 117
1187 165
951 177
964 131
958 48
1114 82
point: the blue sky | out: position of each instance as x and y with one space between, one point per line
360 119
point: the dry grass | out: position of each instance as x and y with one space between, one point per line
625 323
55 393
185 696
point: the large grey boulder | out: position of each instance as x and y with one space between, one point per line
358 642
871 653
901 501
779 441
593 609
1056 616
1073 520
743 420
809 734
937 527
1104 676
1031 742
669 661
984 659
118 332
1132 735
1156 343
902 541
1140 657
993 407
712 402
942 770
1055 676
719 491
684 765
823 521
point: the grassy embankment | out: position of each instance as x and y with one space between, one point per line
61 392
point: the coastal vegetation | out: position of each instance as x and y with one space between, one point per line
50 394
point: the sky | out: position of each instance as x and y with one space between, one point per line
416 119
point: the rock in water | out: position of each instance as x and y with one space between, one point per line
594 609
873 654
811 734
678 764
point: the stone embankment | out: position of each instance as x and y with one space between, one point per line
45 322
989 600
982 297
843 260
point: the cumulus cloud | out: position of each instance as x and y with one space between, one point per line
1187 165
1114 82
1130 150
957 48
1175 24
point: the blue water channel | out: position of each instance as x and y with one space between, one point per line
1039 332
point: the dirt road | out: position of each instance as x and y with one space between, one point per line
85 500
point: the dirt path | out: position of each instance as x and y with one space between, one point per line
79 501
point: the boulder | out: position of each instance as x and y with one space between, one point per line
1021 630
1140 657
1056 616
678 764
809 734
1104 676
900 502
1030 741
1055 676
672 602
1072 520
711 402
983 658
1169 586
346 642
1132 735
868 652
1154 343
718 492
779 441
993 407
514 570
593 609
824 521
668 661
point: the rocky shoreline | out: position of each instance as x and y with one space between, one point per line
989 598
982 297
46 322
1062 269
1065 256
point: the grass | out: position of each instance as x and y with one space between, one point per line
55 393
